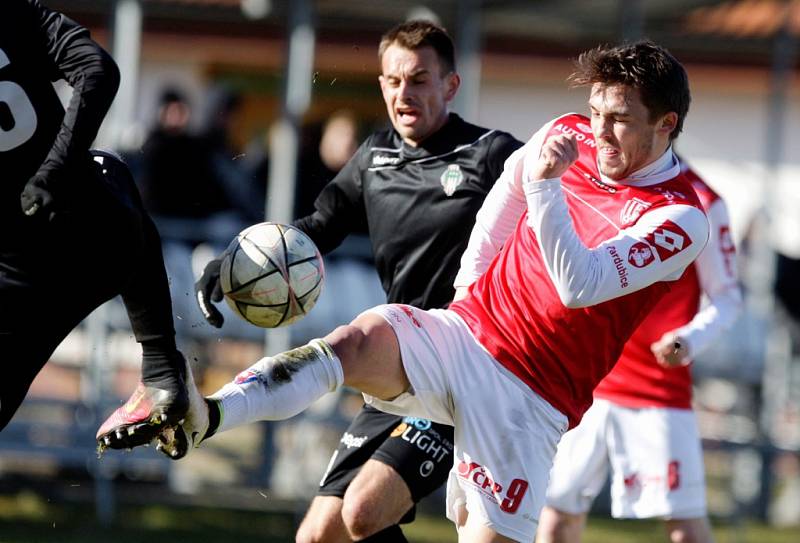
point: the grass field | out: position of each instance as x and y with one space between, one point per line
29 518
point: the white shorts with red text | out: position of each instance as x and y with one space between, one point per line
655 458
505 434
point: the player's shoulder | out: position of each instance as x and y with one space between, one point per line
382 148
706 194
496 142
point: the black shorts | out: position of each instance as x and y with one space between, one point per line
419 450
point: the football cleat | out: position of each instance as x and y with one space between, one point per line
176 441
152 407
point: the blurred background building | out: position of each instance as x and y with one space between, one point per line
259 79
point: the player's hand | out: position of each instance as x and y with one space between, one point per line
558 153
671 350
37 197
208 291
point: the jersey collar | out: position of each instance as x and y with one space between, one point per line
438 143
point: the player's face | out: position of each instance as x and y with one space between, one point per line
416 91
626 138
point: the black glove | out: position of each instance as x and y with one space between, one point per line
207 289
37 197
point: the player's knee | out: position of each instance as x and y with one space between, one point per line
370 356
361 516
320 529
559 527
365 332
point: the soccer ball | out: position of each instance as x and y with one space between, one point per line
271 274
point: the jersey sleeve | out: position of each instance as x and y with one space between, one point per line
91 72
658 247
717 272
339 208
499 214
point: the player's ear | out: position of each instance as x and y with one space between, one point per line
452 82
667 124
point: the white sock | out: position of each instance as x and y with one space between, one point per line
281 386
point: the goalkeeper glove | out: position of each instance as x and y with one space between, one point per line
37 197
207 290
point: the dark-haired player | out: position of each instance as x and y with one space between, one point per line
73 233
551 301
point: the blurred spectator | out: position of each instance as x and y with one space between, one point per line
244 192
785 238
178 186
327 150
195 191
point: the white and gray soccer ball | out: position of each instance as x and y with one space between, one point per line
272 274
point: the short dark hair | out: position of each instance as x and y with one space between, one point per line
660 78
416 34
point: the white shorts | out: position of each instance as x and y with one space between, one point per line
655 458
505 434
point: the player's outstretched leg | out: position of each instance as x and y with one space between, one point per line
364 355
161 398
274 388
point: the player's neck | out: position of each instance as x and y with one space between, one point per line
663 168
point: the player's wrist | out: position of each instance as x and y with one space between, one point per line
534 186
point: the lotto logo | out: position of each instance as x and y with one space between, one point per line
669 239
478 476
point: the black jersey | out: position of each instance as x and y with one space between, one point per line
418 205
39 46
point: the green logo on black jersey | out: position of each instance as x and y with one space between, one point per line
451 178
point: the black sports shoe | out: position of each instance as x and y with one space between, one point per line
153 406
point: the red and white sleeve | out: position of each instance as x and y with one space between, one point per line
659 247
717 271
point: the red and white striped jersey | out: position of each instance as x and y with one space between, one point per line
637 379
577 264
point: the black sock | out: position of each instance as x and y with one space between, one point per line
214 417
160 359
392 534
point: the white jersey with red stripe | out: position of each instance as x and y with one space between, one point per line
637 379
573 265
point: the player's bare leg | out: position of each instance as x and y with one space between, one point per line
323 522
473 530
370 356
559 527
693 530
377 498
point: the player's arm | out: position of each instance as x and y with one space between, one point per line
339 211
717 272
666 239
339 208
498 216
94 78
